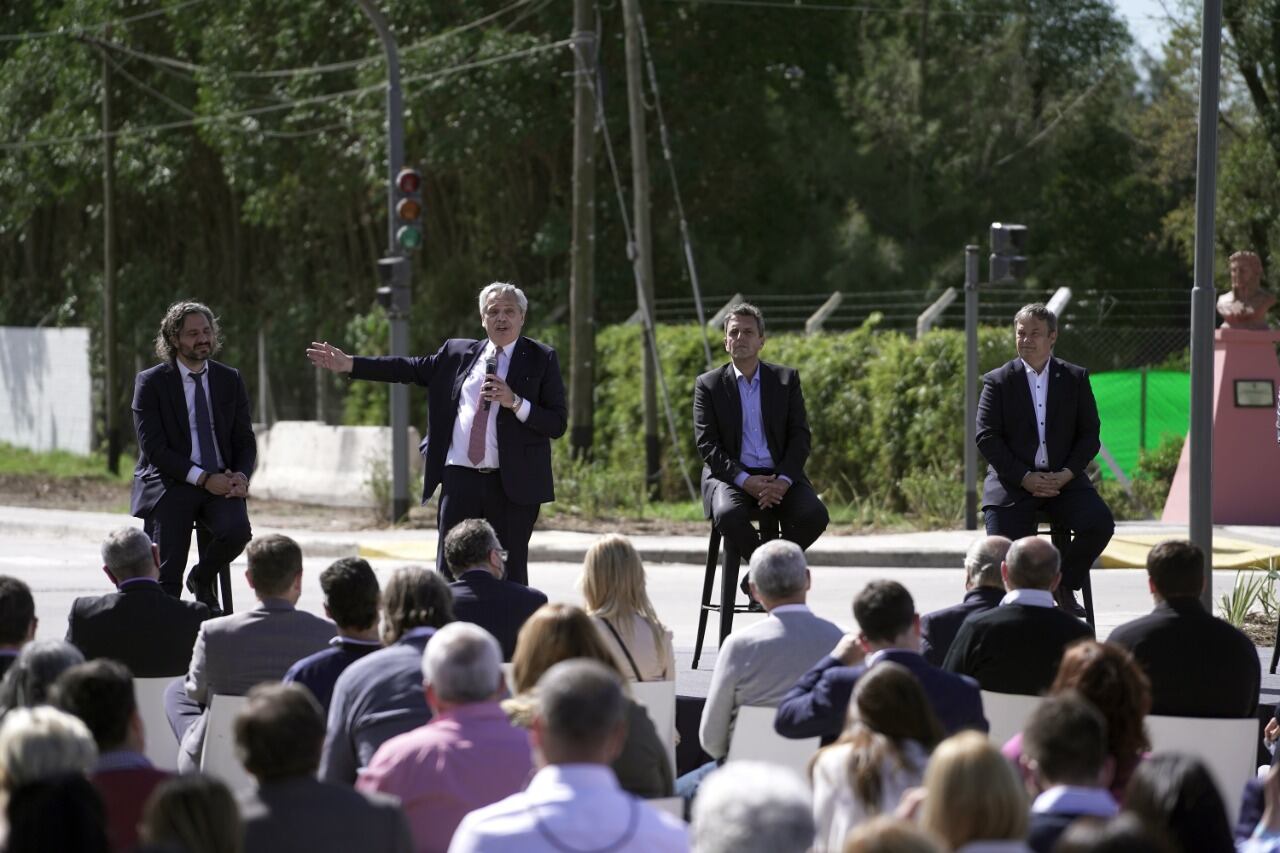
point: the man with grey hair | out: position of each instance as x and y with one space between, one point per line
752 432
983 589
574 801
753 808
1016 647
758 664
138 625
482 594
1038 429
469 755
491 462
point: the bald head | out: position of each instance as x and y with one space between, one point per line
982 563
1032 563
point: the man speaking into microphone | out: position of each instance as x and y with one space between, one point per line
493 406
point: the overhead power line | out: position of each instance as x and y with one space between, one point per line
93 28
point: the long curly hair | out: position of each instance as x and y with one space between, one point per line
415 597
1110 678
171 325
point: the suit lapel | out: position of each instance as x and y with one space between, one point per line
731 434
178 399
770 397
519 366
1022 393
1056 387
473 353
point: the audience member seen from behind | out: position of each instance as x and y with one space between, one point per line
193 814
881 754
1064 749
380 695
1125 833
62 814
469 755
1264 837
29 678
752 807
983 589
482 594
974 799
100 693
40 743
278 736
351 600
886 834
574 802
17 619
560 632
613 585
1111 680
1176 794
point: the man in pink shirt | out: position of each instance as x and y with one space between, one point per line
468 756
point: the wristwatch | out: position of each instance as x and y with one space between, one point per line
202 479
516 400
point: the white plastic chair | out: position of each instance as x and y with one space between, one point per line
673 806
755 740
1228 747
162 746
219 756
659 699
1007 714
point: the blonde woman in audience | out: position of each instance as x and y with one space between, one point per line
194 813
973 797
613 585
882 753
558 632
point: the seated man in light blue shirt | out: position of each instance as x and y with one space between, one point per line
752 432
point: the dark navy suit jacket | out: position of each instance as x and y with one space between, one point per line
939 628
817 705
524 448
140 626
164 433
499 606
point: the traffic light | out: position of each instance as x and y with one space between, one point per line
409 209
1008 260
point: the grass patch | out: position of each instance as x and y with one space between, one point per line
19 461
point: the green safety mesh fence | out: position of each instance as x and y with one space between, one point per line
1120 407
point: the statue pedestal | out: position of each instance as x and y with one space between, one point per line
1246 460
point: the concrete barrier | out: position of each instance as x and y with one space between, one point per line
328 465
45 390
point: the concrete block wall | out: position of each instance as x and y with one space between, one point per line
46 399
313 463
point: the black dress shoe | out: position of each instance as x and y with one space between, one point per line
753 606
1066 599
204 593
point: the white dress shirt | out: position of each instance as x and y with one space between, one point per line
189 392
570 807
470 403
1039 385
1029 597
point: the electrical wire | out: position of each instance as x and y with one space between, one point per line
79 31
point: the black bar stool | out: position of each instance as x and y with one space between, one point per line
1060 536
727 606
202 540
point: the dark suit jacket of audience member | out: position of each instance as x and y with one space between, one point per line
819 702
140 626
939 628
6 660
498 606
319 672
1015 648
1046 828
124 792
307 814
1199 665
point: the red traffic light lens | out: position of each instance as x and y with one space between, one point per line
408 210
409 180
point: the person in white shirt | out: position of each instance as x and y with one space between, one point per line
573 802
613 585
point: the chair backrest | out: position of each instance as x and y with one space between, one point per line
755 740
219 756
659 699
1229 747
162 745
673 806
1007 714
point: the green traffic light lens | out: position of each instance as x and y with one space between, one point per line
409 237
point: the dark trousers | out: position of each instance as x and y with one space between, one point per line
169 526
180 708
467 493
801 515
1081 511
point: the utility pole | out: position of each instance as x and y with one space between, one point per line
110 390
582 322
399 302
642 250
971 387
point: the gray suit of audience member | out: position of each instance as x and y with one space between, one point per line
279 733
234 653
757 665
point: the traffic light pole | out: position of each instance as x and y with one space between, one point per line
398 310
971 387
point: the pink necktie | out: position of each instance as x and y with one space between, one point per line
480 425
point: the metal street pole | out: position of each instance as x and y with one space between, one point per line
110 386
582 322
398 312
970 387
1202 293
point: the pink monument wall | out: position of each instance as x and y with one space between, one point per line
1246 459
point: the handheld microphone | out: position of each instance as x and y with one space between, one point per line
490 366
